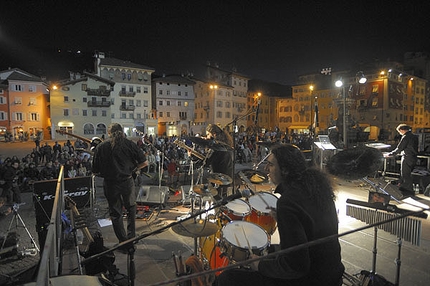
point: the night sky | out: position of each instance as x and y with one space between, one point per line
269 40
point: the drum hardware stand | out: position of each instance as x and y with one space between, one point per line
142 236
16 217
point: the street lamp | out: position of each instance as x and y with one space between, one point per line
311 88
339 83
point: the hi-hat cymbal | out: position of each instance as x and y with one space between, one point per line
205 190
219 179
210 143
199 228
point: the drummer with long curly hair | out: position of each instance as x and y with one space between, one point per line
305 212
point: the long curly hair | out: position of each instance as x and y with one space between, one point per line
116 134
296 174
220 134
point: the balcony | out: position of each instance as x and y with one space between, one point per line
126 107
98 103
126 93
98 92
183 117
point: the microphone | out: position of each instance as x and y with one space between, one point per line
256 113
244 193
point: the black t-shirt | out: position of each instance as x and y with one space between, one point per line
117 163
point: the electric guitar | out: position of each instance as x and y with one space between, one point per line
95 246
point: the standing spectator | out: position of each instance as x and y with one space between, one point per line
11 188
151 162
116 159
57 150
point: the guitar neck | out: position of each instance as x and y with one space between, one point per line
85 230
73 135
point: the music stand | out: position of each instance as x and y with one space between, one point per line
323 145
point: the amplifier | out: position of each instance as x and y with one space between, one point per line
79 189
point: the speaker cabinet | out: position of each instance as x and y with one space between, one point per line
152 195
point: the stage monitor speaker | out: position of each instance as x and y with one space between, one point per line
152 195
185 190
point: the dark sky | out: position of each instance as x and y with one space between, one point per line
269 40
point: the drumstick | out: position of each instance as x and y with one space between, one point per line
264 201
247 241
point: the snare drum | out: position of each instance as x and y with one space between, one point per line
260 214
237 209
238 236
211 252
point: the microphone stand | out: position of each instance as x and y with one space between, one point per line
234 122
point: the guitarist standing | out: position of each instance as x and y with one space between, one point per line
116 159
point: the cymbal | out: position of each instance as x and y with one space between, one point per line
210 143
355 163
199 228
255 177
219 179
205 190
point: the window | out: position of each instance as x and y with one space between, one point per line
139 116
65 112
129 76
130 88
219 114
168 114
138 89
179 103
88 128
104 113
84 87
145 90
66 98
94 113
168 103
17 87
160 102
186 93
130 115
138 103
2 100
123 116
160 114
179 93
84 99
160 92
123 76
32 88
2 115
34 116
145 103
18 100
84 112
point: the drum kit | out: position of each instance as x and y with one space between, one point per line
240 227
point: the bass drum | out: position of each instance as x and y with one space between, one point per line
260 214
239 236
211 254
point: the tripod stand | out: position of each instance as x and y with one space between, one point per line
17 218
